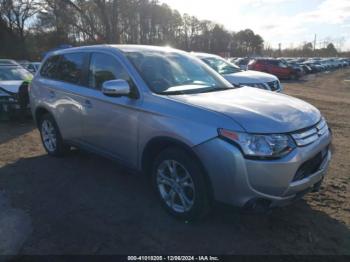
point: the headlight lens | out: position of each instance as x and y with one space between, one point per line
260 146
257 85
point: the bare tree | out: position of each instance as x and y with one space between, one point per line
17 13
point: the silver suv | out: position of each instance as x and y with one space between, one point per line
166 113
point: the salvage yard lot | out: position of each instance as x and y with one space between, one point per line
84 204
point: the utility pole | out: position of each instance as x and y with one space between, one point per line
280 49
315 42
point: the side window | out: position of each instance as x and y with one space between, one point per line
104 68
50 68
282 64
71 68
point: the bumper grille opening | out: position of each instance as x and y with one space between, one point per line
311 166
274 85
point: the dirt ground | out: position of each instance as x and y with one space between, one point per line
84 204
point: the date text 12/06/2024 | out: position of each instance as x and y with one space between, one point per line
173 258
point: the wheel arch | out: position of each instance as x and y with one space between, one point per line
158 144
39 112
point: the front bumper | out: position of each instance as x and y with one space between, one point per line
238 181
10 107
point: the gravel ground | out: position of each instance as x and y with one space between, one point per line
84 204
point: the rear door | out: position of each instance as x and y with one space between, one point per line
62 85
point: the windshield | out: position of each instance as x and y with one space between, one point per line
9 73
174 73
221 66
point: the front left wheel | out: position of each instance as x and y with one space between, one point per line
180 184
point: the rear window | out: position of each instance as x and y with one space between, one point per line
71 68
50 68
67 67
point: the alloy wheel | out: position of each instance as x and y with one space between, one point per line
175 186
49 135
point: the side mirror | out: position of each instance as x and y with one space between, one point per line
117 87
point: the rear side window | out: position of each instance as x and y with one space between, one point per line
275 62
71 68
104 68
50 68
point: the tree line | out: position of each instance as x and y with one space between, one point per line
28 28
31 27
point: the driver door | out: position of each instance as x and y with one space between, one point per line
110 124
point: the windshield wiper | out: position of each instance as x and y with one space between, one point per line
195 91
219 89
173 93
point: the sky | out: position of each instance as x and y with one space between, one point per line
289 22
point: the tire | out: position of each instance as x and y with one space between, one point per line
51 136
189 185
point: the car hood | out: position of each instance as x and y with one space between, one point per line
11 86
256 110
250 77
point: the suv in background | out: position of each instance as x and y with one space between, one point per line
32 67
239 77
276 67
167 114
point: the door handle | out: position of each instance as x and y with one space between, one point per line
88 104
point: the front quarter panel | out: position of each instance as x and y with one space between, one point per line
163 117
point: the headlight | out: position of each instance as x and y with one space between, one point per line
258 85
260 146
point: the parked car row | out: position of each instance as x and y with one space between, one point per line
290 68
177 117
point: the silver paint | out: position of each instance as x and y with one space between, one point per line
121 127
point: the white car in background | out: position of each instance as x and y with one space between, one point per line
239 77
32 67
14 81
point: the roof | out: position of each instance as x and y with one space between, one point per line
205 55
122 48
8 62
10 65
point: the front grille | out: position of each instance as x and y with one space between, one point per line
310 135
311 166
274 85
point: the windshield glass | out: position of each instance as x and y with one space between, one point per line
174 73
9 73
221 66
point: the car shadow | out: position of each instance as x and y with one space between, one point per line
11 129
85 204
